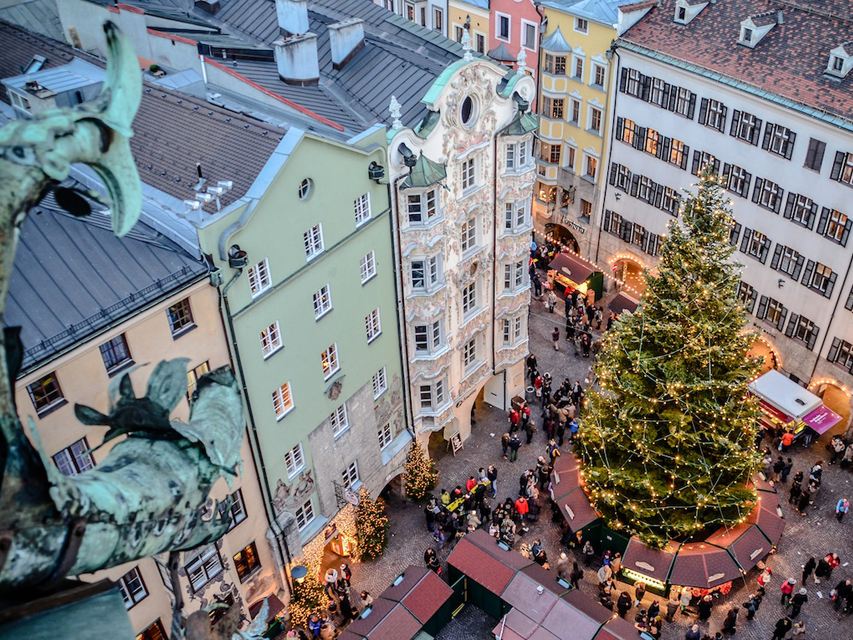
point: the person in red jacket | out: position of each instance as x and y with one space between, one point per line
513 420
787 589
470 484
522 507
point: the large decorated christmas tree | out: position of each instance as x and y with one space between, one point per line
668 442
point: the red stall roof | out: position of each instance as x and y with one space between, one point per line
572 267
766 517
480 567
650 562
699 564
522 593
421 591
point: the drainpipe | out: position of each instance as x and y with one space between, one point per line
260 467
495 260
613 78
832 316
543 23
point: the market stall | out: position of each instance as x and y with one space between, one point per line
567 270
787 406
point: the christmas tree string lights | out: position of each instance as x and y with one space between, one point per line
667 442
420 474
371 526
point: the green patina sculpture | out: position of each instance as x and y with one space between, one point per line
148 494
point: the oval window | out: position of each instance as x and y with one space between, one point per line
468 111
305 188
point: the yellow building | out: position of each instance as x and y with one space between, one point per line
575 88
93 307
474 14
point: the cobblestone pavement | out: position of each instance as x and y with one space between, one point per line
816 534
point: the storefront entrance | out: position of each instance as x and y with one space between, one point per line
562 235
762 349
838 400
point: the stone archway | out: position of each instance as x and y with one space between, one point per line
763 349
562 235
628 269
836 397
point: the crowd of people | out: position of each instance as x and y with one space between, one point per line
341 608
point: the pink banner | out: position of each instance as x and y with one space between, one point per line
822 419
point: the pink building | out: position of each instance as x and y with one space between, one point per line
514 24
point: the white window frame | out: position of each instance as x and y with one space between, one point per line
437 25
469 354
578 60
586 165
313 241
350 477
835 224
294 461
432 395
525 24
127 593
305 514
74 458
330 355
373 325
468 230
581 25
427 207
259 277
516 217
469 299
282 400
380 383
716 116
428 338
207 562
322 301
768 195
575 108
468 174
801 211
430 270
518 157
596 66
271 341
682 101
339 421
591 119
367 266
361 206
237 511
512 330
385 435
498 36
514 276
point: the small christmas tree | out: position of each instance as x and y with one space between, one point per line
371 525
668 441
308 596
421 476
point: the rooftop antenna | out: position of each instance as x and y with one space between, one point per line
201 179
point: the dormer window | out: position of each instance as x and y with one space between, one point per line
754 28
746 35
681 14
686 10
840 61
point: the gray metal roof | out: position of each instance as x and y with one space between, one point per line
602 11
73 75
73 278
41 16
556 43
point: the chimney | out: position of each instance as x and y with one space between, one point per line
346 39
208 6
292 16
296 58
780 18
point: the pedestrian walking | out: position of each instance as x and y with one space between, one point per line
783 626
823 569
588 553
808 568
514 444
551 301
529 430
842 592
798 632
787 590
750 607
537 285
505 438
693 633
786 470
841 508
777 468
730 623
639 592
623 604
798 601
671 606
685 599
706 604
555 337
492 475
576 575
563 566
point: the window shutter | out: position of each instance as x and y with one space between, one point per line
703 111
807 274
691 109
735 123
685 156
755 133
664 100
696 157
673 94
716 165
753 295
777 253
782 317
605 224
846 233
798 266
836 166
789 205
614 170
810 154
817 162
781 192
620 129
849 304
747 178
646 238
623 79
747 236
727 171
664 148
768 131
735 234
789 146
812 337
640 138
792 323
765 249
657 195
756 193
626 230
833 350
723 114
812 214
829 287
645 88
762 308
821 223
635 181
643 235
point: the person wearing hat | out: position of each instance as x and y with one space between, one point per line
787 590
783 626
798 601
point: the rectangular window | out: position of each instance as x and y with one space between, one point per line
502 31
469 298
841 354
132 588
767 194
422 207
386 435
787 260
270 340
469 353
586 209
669 202
154 631
237 511
305 514
460 32
555 64
515 215
246 561
802 329
468 174
349 476
775 313
469 234
432 395
678 152
438 19
329 361
578 74
612 222
181 316
259 278
282 400
684 102
595 120
658 91
778 140
193 376
517 155
581 25
322 302
758 245
372 325
380 383
367 266
591 168
570 158
339 420
480 43
362 209
203 566
294 460
747 295
513 276
598 75
313 239
75 458
629 131
746 127
738 180
836 226
633 82
620 176
645 188
115 353
821 278
814 156
712 113
428 337
46 394
552 107
703 160
801 209
652 141
529 35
